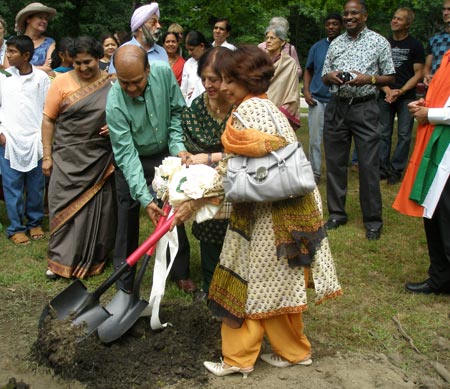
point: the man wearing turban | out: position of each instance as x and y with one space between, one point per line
146 30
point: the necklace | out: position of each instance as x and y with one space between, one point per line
216 112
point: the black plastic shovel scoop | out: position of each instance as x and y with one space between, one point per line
75 303
125 307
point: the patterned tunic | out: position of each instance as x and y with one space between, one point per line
272 286
369 53
202 134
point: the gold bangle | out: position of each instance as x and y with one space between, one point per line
46 158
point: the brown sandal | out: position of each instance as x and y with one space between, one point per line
37 233
19 239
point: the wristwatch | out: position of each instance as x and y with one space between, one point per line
373 80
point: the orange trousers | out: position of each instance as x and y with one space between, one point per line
241 346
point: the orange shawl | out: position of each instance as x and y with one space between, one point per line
249 142
436 97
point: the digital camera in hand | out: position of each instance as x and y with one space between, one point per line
345 76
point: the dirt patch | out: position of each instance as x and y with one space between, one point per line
142 357
173 358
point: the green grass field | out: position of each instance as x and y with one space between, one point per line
372 275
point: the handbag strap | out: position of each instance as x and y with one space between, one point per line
270 112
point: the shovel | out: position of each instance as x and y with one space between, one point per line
125 308
75 303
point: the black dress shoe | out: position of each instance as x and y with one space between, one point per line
332 224
420 287
373 233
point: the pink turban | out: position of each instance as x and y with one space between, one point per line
142 14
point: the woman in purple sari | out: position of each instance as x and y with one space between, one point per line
78 158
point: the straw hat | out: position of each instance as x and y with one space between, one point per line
31 9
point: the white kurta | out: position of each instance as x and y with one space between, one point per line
22 99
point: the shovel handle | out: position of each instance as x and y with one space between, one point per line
162 219
148 245
150 241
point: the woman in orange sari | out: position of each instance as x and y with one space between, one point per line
78 158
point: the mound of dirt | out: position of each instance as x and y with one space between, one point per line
142 357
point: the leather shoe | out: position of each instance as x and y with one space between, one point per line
373 233
332 224
186 285
420 287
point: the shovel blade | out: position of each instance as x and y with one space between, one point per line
76 303
125 309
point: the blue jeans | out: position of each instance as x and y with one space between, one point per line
397 164
17 184
315 124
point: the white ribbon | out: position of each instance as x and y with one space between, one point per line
160 273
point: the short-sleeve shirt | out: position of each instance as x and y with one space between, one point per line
316 58
406 53
438 46
369 53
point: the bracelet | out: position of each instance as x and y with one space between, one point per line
46 158
209 159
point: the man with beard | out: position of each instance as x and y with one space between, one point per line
146 32
357 63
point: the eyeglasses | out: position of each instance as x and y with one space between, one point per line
445 8
352 13
271 38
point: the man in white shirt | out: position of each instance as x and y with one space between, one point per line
22 97
221 31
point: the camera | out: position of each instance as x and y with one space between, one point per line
345 76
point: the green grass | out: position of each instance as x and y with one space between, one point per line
372 275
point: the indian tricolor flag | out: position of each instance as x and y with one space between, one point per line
433 172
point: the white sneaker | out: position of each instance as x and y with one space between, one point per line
275 360
220 369
50 275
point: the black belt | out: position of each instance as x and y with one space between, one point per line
354 100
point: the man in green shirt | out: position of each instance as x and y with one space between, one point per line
143 113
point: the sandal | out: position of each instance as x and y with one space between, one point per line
19 239
36 233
